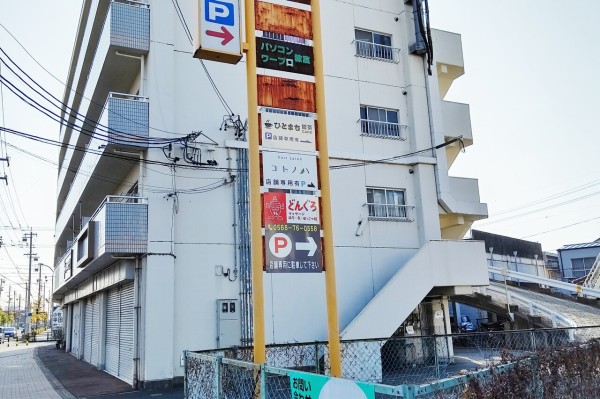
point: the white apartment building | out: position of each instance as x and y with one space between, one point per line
152 242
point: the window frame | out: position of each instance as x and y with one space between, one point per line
375 49
379 128
391 209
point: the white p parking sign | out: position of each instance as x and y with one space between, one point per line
220 34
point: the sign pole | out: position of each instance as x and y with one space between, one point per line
258 311
326 216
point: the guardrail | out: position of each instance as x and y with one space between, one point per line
574 288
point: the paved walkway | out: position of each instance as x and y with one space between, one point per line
22 376
40 371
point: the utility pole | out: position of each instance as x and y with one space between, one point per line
26 237
8 309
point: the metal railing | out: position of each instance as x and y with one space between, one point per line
382 129
439 366
389 212
376 51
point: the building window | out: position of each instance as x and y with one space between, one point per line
374 45
380 122
387 204
581 266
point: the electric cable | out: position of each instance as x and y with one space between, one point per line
67 86
386 160
119 136
62 106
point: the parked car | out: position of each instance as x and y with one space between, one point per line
9 332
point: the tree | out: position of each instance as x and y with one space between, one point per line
38 316
3 318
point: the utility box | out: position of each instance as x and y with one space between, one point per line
229 328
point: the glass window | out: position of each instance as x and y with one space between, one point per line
373 45
386 204
380 122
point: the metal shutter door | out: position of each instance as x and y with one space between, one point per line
95 330
75 329
126 328
112 331
87 331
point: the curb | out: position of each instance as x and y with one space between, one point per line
56 385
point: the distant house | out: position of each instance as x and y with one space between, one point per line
576 260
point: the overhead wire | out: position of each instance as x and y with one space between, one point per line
396 157
562 227
188 33
113 135
66 85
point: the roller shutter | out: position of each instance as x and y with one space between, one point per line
126 328
119 332
112 331
91 330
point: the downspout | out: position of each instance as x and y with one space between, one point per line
142 66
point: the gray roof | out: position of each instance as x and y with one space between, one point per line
592 244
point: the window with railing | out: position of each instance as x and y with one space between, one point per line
387 204
380 122
374 45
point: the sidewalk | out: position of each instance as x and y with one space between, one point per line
39 370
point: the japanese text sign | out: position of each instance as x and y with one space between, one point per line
315 386
284 56
287 131
293 248
282 208
220 31
289 171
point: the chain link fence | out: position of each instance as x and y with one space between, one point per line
537 363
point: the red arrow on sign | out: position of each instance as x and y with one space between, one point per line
224 34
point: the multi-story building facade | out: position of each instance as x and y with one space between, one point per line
152 236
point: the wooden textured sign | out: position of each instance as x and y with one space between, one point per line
283 20
286 93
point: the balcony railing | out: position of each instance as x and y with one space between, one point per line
376 51
119 226
127 120
382 129
399 213
130 25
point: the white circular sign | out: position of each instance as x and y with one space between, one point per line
336 389
280 245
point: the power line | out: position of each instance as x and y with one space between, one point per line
67 86
562 228
386 160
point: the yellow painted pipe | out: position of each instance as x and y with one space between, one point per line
256 247
326 216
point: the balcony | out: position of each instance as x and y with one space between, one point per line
462 206
113 30
127 120
118 227
448 58
124 124
457 122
